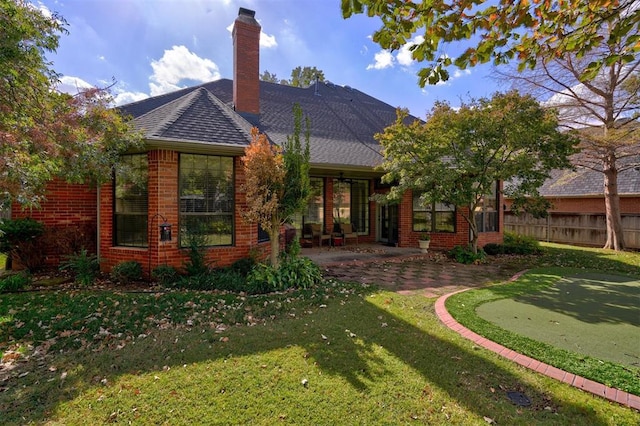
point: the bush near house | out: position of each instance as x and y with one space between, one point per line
126 272
14 282
20 239
514 244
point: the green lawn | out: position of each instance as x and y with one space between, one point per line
569 318
592 314
339 354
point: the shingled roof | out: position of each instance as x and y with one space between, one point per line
585 182
343 120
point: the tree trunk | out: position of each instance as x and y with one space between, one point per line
615 235
275 243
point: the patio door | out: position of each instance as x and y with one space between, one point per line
388 223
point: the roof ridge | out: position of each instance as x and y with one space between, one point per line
241 124
183 102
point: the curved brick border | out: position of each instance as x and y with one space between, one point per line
612 394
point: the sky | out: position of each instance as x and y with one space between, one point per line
150 47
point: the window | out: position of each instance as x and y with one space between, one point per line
130 195
351 204
314 212
487 212
206 199
434 217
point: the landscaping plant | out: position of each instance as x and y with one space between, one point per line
14 282
127 272
84 265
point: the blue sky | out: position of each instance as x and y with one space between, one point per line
153 46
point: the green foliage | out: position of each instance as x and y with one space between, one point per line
502 33
466 255
520 244
293 272
243 266
165 274
83 265
300 77
458 155
45 133
14 282
20 239
127 272
297 186
196 240
514 244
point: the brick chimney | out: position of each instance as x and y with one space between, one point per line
246 62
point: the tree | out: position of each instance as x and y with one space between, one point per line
277 182
457 156
269 77
305 76
300 77
602 111
525 31
45 134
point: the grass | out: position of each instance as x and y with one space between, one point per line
538 282
337 354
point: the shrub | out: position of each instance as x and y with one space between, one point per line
19 238
520 244
195 282
83 265
466 255
126 272
165 274
196 242
243 266
493 249
294 272
14 282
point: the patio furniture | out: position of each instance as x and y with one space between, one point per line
348 231
316 232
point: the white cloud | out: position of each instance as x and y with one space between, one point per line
460 73
73 85
180 64
267 41
383 59
128 97
404 54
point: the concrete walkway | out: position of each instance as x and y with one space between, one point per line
407 271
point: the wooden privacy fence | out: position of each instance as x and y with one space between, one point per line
588 229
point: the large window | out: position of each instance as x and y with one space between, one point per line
434 217
206 199
487 212
314 212
351 204
130 201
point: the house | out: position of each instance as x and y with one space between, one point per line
577 213
190 174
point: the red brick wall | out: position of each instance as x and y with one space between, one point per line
593 204
68 209
442 240
163 200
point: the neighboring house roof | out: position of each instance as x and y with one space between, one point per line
343 120
586 182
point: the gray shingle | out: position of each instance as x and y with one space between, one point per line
343 120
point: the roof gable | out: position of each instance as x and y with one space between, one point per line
196 116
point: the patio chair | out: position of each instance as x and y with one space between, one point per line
316 232
348 231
